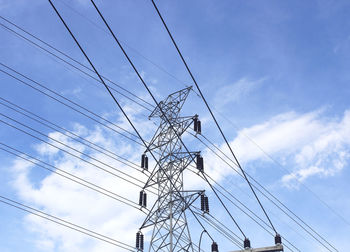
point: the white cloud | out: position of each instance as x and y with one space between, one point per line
285 132
78 204
309 144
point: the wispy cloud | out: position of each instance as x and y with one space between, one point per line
236 91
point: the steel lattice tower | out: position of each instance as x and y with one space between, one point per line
168 215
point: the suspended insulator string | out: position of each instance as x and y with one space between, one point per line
71 135
273 202
66 99
65 223
67 175
73 155
74 60
217 124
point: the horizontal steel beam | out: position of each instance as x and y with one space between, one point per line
276 248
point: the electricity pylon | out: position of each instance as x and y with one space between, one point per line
168 214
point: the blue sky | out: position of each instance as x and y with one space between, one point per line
275 73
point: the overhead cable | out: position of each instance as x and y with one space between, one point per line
72 59
76 156
67 224
68 175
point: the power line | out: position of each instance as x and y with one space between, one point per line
72 59
71 135
65 223
65 145
70 176
70 101
70 106
71 65
71 154
217 124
